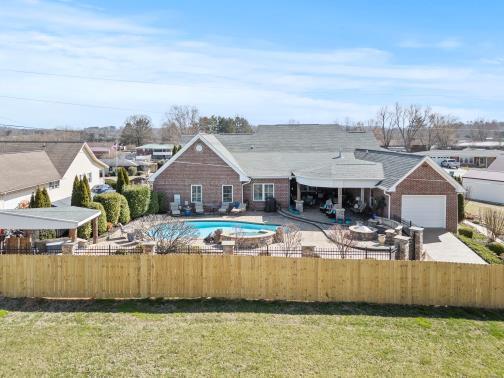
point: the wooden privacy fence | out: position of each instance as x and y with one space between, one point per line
252 277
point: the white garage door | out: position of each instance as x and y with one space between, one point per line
424 211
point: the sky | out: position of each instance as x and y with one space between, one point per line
93 63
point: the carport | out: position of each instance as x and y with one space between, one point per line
51 218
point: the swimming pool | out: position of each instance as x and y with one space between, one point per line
207 227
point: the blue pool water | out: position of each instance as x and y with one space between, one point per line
247 228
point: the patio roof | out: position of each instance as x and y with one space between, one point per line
344 171
51 218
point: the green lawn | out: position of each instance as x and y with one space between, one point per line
207 337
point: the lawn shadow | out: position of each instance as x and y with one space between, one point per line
173 306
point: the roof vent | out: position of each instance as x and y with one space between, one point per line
251 147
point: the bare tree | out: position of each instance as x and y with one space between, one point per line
137 130
409 121
184 117
445 130
384 126
493 220
428 134
343 238
291 239
170 133
170 234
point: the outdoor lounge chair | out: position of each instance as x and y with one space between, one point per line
242 207
359 208
174 209
198 208
224 209
327 205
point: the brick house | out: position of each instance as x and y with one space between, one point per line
309 163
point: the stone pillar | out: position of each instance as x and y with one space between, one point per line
417 243
68 248
299 206
362 195
149 247
95 230
298 192
228 247
340 198
72 234
389 236
308 251
402 245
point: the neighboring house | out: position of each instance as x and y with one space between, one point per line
486 185
156 151
28 165
118 162
288 161
477 158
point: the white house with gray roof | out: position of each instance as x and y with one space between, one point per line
54 165
294 162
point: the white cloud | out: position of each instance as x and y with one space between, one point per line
446 44
84 56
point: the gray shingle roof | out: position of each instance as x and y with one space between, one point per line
395 164
119 162
484 175
25 170
62 154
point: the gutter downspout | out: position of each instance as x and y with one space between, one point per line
245 183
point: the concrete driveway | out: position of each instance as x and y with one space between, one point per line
441 245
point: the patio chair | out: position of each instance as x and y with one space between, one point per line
176 199
326 206
359 208
224 208
174 209
242 207
198 208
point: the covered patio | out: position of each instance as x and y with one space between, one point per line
344 184
52 218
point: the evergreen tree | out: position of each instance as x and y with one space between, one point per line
122 179
46 201
76 192
86 192
39 200
32 201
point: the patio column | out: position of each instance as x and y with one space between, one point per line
95 230
72 234
340 198
362 195
298 192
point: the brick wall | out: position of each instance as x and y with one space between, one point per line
425 180
282 193
198 168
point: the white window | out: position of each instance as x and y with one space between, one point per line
196 194
90 176
263 191
54 184
227 193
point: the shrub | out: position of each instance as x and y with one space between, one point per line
124 213
466 231
47 234
112 204
111 183
461 207
153 203
84 231
132 171
102 219
122 179
138 197
497 248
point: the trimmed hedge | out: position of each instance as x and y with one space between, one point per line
84 231
466 231
102 219
112 183
132 171
124 213
496 247
112 204
138 197
153 203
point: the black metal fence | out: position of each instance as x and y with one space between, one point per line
387 253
